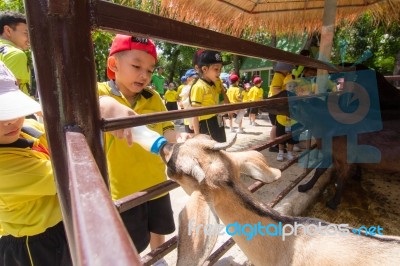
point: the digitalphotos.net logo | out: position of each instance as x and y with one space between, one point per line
280 230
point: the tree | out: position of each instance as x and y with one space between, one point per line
369 41
101 42
12 5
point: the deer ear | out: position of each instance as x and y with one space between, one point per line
198 231
253 164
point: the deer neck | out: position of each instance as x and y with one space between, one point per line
238 206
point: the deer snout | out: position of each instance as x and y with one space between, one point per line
166 152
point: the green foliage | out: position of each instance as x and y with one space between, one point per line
101 42
12 5
366 34
175 59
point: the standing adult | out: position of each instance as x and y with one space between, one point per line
14 40
158 80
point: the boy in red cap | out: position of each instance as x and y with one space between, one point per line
256 93
131 168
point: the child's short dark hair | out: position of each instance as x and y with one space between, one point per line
11 19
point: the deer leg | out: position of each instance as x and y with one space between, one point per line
358 173
310 184
342 174
321 168
335 201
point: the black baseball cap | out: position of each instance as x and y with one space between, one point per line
208 57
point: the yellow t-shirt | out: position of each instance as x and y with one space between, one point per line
255 94
28 197
204 94
245 96
16 60
132 168
277 81
179 90
234 94
285 120
171 96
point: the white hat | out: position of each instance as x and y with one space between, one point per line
13 102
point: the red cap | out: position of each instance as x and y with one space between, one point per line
126 43
233 78
196 56
257 80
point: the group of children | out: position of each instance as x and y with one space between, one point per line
30 217
28 232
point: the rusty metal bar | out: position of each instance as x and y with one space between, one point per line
140 197
291 186
160 252
64 66
258 184
273 106
390 78
93 212
126 20
278 105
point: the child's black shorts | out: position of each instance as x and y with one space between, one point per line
171 106
254 110
280 131
154 216
47 248
272 119
213 128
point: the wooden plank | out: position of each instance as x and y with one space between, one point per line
126 20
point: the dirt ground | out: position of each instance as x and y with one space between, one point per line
370 202
374 200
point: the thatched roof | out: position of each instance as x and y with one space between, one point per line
286 16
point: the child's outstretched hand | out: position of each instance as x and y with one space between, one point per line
183 136
111 108
173 136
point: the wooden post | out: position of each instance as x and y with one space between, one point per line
327 33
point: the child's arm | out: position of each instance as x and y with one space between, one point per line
196 125
111 108
226 99
275 90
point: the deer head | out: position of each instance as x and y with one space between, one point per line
201 165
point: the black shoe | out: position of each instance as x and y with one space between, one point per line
273 149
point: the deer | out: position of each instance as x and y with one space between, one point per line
211 176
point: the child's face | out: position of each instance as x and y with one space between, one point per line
133 70
10 130
212 72
291 86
